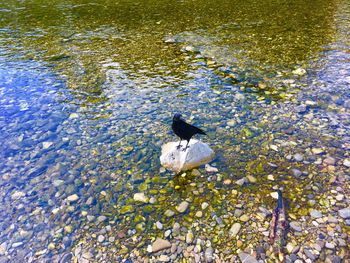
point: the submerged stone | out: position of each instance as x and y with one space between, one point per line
177 160
160 244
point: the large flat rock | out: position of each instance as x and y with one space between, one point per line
177 160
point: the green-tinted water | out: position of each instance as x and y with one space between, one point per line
87 93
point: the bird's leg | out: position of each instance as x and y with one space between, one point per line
187 145
179 146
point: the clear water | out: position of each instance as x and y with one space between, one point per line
88 90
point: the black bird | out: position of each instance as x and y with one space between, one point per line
184 130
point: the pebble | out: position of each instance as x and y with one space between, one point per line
235 228
17 244
244 218
274 195
208 254
317 151
241 181
101 238
299 71
344 213
47 145
73 198
199 214
210 169
169 213
296 226
140 197
182 207
17 194
101 219
159 225
160 244
204 205
73 116
251 179
329 245
246 258
298 157
301 108
315 214
164 258
189 237
346 162
296 172
270 177
329 161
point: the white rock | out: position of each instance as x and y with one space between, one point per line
234 229
274 195
140 197
211 169
182 207
73 198
47 144
73 116
299 71
17 194
346 162
177 160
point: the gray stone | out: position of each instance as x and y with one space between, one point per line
209 254
301 108
160 244
246 258
234 229
298 157
315 214
295 226
309 254
169 213
344 213
182 207
329 160
177 160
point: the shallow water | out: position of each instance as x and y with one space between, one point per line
88 89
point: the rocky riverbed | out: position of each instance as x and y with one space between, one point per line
87 93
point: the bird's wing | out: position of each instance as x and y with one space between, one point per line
193 129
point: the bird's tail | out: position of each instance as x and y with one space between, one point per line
201 131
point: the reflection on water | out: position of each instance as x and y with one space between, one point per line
87 91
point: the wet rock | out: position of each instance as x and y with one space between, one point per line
296 172
189 237
182 207
241 181
301 108
329 161
178 160
251 179
234 229
140 197
298 157
309 254
295 226
17 195
160 244
299 71
346 163
344 213
208 254
159 225
315 214
73 198
246 258
169 213
210 169
164 258
101 238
